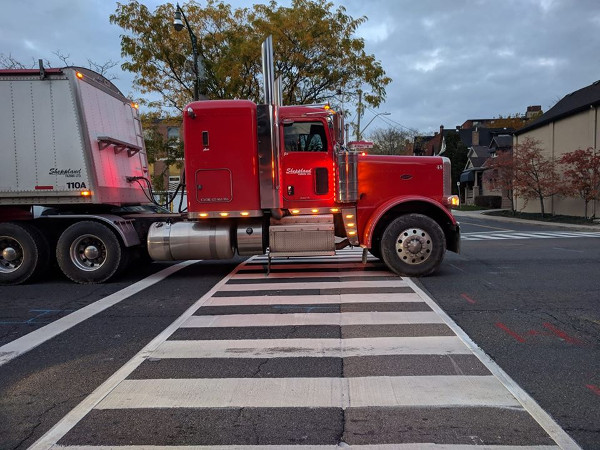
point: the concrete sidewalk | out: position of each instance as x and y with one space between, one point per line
483 214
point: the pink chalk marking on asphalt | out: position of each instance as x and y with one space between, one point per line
510 332
593 388
561 334
469 299
539 333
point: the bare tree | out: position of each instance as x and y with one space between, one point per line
391 141
10 62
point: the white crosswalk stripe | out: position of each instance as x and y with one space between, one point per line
377 370
487 236
267 348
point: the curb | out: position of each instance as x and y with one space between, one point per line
523 221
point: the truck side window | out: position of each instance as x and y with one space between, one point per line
305 137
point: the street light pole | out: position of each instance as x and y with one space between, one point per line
178 25
374 117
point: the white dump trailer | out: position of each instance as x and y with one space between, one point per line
71 148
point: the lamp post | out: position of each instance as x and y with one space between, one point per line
178 25
366 126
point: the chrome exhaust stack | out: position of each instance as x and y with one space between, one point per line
268 134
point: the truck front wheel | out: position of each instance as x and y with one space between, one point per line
89 252
23 252
413 245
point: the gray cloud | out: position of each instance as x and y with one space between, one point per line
450 60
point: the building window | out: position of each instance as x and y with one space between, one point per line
174 182
173 133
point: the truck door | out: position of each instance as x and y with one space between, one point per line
307 165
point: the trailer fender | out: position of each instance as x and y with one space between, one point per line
123 227
413 204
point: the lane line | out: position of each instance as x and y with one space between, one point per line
30 341
559 435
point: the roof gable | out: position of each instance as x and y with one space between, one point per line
569 105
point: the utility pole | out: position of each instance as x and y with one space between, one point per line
359 114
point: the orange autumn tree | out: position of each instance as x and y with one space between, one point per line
535 176
582 175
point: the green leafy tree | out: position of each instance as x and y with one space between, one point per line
315 51
457 152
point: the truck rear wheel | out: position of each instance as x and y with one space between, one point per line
413 245
24 252
89 252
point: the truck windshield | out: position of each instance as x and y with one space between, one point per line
305 137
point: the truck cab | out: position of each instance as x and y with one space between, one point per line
284 183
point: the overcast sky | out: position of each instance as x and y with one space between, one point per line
449 60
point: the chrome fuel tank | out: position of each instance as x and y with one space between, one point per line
191 240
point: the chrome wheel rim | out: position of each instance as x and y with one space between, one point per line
11 254
88 252
414 246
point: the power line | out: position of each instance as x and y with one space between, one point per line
387 120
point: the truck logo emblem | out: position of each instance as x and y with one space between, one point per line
291 171
69 173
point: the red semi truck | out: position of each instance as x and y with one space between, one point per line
261 179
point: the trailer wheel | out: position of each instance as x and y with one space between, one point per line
24 252
89 252
413 245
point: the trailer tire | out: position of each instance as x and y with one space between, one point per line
24 253
89 252
413 245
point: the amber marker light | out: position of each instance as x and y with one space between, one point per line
85 193
79 75
223 214
351 225
135 105
295 211
452 200
351 233
349 216
244 213
203 214
334 210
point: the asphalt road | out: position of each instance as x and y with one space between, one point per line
533 305
40 387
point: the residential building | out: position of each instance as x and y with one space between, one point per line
573 123
166 174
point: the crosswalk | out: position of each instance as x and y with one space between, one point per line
322 354
492 236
